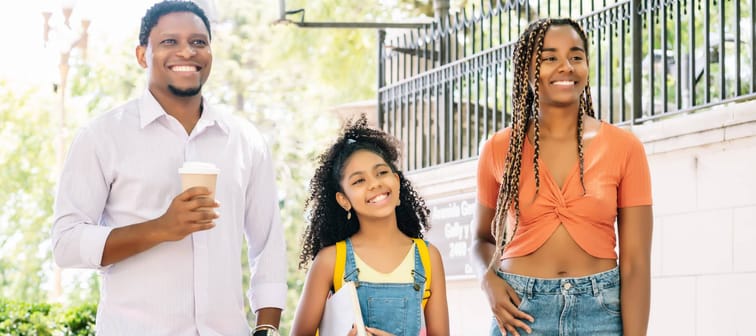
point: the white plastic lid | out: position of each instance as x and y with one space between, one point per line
197 167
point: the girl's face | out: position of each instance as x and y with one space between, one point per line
564 67
369 186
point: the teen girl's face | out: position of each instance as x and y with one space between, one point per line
564 67
369 186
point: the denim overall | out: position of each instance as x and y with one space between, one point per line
391 307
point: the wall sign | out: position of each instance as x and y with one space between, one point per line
452 232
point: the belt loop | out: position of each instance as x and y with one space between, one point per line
595 286
529 289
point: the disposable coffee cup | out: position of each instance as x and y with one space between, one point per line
199 174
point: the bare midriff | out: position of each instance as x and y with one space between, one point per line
559 257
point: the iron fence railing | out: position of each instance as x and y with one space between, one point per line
446 87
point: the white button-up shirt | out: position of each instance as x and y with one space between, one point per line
122 169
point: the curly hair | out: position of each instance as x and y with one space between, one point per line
160 9
525 103
328 222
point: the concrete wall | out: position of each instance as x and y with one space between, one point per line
703 168
704 252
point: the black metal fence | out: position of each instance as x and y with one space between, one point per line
446 87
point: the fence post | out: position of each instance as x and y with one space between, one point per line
381 77
443 107
441 13
636 76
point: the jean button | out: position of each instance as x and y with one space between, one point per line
567 286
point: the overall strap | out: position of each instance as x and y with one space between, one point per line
422 248
338 268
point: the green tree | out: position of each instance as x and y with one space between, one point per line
27 156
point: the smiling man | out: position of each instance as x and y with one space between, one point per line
170 259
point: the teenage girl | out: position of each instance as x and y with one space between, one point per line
550 189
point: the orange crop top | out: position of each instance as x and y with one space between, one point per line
616 176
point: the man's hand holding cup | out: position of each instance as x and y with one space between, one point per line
194 209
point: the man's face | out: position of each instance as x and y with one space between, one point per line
177 56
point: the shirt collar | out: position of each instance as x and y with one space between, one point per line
150 111
211 116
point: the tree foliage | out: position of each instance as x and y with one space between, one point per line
26 157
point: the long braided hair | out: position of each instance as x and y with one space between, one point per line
328 222
525 104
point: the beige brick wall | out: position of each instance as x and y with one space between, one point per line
703 169
704 253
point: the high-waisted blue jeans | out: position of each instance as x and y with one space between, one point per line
587 305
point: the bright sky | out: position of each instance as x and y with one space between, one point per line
26 59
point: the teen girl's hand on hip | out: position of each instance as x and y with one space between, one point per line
504 302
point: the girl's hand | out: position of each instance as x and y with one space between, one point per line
369 332
504 301
377 332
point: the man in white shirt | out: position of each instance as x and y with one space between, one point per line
170 261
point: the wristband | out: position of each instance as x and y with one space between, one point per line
265 330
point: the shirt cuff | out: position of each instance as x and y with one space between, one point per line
92 245
268 295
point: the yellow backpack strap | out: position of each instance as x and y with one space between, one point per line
422 248
338 268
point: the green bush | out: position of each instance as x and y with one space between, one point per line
45 319
79 320
21 318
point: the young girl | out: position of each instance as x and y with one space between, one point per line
358 195
550 188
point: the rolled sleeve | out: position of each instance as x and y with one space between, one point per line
78 241
267 295
93 240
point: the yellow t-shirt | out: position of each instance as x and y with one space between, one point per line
401 274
